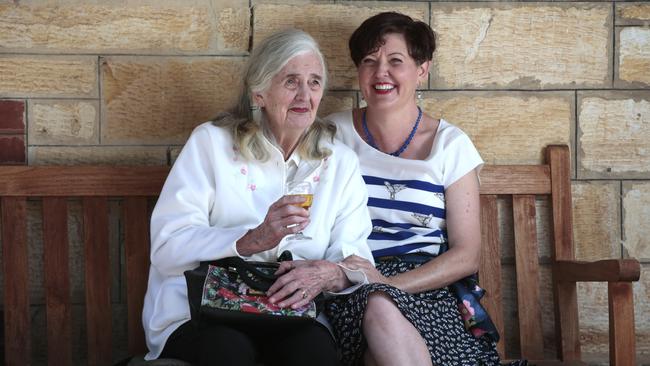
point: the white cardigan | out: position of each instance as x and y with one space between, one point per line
213 196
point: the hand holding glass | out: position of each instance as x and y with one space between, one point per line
304 190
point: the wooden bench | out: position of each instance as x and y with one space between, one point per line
94 186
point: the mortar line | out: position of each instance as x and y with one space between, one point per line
575 133
99 103
622 227
614 65
26 132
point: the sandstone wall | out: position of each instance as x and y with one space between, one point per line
124 82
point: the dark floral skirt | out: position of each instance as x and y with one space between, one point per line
435 314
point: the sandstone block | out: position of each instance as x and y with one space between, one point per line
113 155
596 220
548 311
79 337
173 153
594 331
332 102
48 76
613 134
641 311
633 13
335 102
201 26
149 100
507 235
633 62
507 127
636 208
593 318
511 311
59 122
76 251
331 25
535 46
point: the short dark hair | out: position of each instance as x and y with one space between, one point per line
367 39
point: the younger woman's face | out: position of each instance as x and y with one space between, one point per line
388 78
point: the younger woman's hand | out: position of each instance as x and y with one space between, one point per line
356 262
284 217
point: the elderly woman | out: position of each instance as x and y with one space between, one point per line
421 174
225 196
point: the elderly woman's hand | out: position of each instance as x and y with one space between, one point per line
283 218
374 276
302 280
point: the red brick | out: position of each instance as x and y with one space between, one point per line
12 149
12 116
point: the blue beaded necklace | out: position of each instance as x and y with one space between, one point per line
371 140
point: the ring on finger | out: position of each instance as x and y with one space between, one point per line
304 294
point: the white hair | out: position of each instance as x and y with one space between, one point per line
267 60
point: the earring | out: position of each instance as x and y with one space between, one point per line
418 96
362 101
255 113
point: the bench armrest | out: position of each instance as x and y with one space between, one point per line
619 275
608 270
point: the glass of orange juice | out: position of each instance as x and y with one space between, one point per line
303 189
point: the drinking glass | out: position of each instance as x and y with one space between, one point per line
303 189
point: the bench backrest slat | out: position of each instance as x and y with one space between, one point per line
562 204
136 243
515 179
98 281
527 267
57 281
81 181
16 281
490 265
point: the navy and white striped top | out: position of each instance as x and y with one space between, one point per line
406 198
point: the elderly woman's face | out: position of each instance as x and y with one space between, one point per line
292 100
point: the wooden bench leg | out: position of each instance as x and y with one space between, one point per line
622 346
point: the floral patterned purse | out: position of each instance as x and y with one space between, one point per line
232 290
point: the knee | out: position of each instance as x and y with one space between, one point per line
309 345
222 339
381 311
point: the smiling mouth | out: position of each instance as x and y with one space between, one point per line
383 88
299 110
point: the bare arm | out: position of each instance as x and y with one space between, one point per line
462 258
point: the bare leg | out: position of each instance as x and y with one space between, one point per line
392 339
